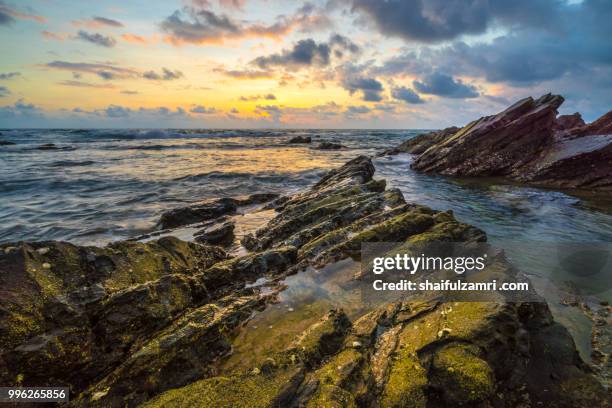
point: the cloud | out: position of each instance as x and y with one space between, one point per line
96 38
438 20
232 4
234 111
357 110
4 91
128 92
81 84
245 74
53 36
568 52
20 109
8 15
307 53
105 71
103 21
9 75
134 39
197 24
269 97
272 112
370 88
406 94
116 111
199 109
108 71
166 75
444 85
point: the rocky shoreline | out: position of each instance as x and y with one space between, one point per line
145 323
526 143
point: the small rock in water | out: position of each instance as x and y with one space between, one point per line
290 309
8 250
48 146
42 251
46 265
356 344
300 139
256 371
329 146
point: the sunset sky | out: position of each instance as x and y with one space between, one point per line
273 63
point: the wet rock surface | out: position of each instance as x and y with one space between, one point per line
146 323
528 143
217 235
210 209
329 146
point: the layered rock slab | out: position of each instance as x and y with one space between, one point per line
527 142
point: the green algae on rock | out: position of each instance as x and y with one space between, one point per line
149 324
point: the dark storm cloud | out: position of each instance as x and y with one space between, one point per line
574 42
4 91
166 75
107 21
406 94
304 52
439 20
96 38
444 85
307 52
370 88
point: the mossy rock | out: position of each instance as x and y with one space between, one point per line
246 391
331 396
461 376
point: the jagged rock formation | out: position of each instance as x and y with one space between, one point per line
422 142
528 143
138 323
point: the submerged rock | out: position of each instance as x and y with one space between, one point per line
300 139
526 142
